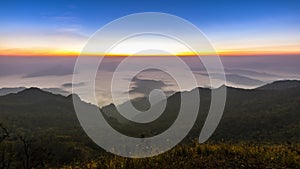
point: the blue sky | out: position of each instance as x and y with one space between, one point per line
204 13
226 23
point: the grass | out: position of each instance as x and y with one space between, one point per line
221 155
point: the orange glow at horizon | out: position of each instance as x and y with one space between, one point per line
295 50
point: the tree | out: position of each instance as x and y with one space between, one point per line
34 154
4 133
5 155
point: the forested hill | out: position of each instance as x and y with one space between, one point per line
268 113
50 124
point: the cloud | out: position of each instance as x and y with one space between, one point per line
27 67
64 37
56 91
59 70
236 79
64 17
68 85
145 86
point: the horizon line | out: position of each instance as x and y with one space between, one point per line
183 54
52 52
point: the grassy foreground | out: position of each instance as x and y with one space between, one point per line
221 155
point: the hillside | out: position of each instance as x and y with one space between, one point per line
256 115
259 116
47 120
281 85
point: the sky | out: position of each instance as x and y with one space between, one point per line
260 38
234 27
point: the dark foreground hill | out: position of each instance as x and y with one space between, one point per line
256 115
47 123
46 126
281 85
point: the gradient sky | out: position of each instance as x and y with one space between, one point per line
234 27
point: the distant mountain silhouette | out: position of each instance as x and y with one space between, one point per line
281 85
237 79
243 80
251 73
6 91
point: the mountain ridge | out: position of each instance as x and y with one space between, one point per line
263 107
280 85
267 86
